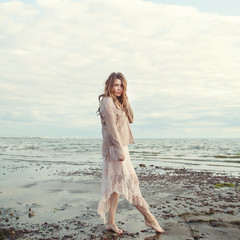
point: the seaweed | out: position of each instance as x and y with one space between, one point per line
221 185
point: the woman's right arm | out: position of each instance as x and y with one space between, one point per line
109 117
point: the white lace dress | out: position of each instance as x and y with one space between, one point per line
119 177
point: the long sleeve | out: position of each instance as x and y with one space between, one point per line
129 113
109 118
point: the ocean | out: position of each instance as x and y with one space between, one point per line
58 181
71 153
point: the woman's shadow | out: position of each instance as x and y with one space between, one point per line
155 237
110 235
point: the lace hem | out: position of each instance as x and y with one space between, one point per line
127 189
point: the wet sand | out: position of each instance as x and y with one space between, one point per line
47 201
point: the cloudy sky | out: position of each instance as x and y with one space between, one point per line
181 60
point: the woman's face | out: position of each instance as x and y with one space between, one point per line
117 88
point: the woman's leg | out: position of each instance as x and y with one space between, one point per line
150 220
111 225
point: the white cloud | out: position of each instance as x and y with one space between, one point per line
181 64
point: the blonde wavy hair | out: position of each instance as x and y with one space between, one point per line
120 102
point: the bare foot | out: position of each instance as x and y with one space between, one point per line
114 228
153 223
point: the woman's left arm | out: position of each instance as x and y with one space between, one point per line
129 112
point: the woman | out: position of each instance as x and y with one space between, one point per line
119 176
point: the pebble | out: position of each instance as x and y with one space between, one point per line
30 215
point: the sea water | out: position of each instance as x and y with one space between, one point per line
75 153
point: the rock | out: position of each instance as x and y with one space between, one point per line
142 165
196 238
210 212
30 215
215 223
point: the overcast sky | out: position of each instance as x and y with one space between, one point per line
181 60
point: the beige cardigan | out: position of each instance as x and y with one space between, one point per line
116 131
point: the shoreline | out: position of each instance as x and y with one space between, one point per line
48 202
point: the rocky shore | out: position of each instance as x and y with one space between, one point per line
188 204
